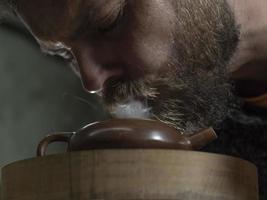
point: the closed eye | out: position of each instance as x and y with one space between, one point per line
101 20
111 21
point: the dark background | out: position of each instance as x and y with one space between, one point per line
39 94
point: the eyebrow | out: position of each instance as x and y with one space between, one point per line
53 48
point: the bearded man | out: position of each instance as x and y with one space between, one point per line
172 60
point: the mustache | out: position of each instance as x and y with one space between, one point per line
120 90
146 89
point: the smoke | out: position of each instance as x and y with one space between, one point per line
131 108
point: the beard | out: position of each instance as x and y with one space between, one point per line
194 92
190 102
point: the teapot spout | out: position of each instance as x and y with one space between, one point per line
202 138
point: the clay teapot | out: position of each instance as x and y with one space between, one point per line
128 134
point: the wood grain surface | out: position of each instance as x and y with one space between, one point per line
130 175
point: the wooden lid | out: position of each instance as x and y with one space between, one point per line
131 174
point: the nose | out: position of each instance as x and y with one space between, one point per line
94 77
96 66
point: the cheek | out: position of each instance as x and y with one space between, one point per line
146 55
150 38
153 52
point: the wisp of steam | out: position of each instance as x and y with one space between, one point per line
132 109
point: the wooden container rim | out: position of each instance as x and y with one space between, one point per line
200 153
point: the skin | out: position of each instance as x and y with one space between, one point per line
165 50
248 65
97 54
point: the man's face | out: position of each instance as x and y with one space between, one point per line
162 59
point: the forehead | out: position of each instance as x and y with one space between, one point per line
48 18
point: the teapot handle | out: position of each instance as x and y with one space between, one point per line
59 137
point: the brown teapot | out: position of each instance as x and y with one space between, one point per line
128 134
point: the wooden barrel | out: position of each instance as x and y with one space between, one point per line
131 175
